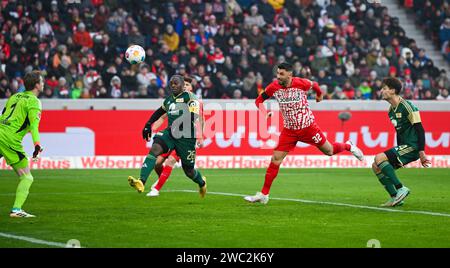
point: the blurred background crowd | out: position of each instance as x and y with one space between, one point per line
228 47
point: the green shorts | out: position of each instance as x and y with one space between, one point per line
402 155
14 157
184 147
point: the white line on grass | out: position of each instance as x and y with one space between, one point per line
33 240
329 203
273 198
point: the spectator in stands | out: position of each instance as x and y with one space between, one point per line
214 39
76 90
43 29
276 4
135 37
254 18
366 90
348 90
171 38
116 87
82 38
338 77
382 67
320 62
266 10
443 94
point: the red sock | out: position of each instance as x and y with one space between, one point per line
339 147
167 170
271 174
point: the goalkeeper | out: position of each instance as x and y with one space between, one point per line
21 115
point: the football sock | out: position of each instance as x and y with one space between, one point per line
386 182
147 167
388 171
197 178
167 170
271 174
23 190
339 147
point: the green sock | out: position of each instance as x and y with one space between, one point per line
23 190
388 171
198 178
147 167
386 182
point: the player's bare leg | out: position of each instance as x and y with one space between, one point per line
337 147
166 170
271 174
159 165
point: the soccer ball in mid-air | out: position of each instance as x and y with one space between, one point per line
135 54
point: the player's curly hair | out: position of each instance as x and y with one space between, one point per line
31 79
393 83
285 66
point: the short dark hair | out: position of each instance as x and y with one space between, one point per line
285 66
393 83
188 79
31 79
178 77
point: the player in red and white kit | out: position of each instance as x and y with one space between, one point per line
298 121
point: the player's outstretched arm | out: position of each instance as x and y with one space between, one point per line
421 144
147 131
158 123
319 94
259 102
34 115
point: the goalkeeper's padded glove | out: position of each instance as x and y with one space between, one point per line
147 132
37 150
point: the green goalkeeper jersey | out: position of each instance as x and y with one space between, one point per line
403 117
182 110
21 115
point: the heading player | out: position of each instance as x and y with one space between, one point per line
21 115
298 121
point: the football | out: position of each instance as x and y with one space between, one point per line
135 54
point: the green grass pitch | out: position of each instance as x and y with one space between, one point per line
98 208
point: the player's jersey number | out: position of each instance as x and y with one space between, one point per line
191 155
317 138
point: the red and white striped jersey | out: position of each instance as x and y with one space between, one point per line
293 102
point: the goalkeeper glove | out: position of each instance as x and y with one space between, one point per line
147 132
37 150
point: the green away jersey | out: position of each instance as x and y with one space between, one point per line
182 112
21 115
403 117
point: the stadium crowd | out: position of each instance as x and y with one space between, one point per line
229 47
433 16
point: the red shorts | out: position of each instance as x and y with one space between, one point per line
172 153
311 135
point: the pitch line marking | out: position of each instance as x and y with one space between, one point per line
329 203
33 240
273 198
